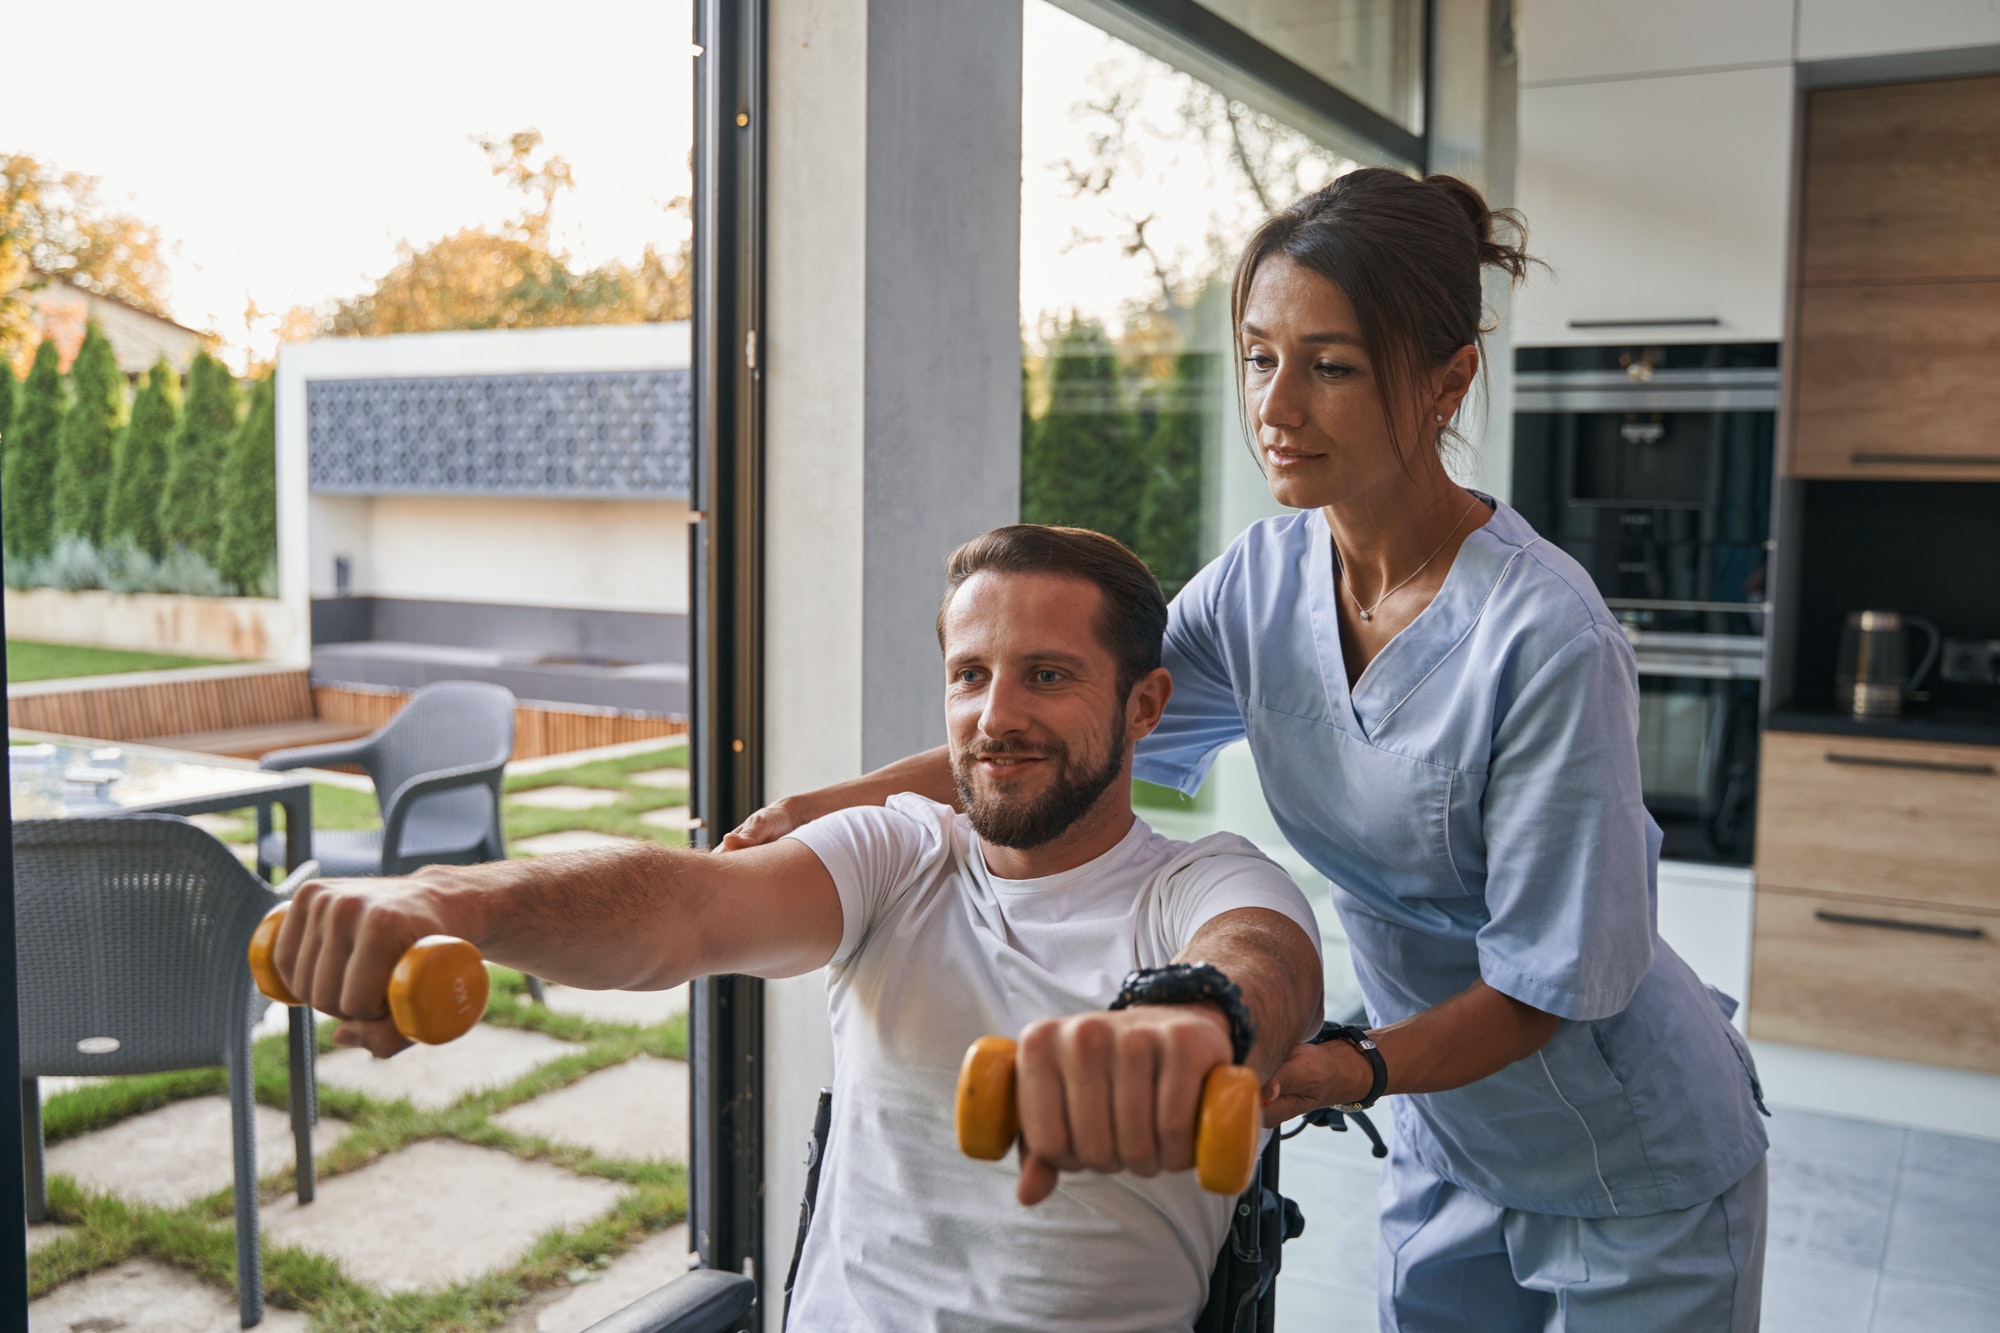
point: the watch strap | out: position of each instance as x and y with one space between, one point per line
1193 983
1358 1038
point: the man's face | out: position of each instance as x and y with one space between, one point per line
1038 726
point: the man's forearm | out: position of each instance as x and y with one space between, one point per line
927 774
1272 962
599 920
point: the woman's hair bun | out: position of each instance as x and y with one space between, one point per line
1510 255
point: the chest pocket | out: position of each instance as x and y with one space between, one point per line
1372 821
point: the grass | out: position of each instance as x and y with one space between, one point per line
198 1237
28 660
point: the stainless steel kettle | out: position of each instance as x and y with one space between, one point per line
1873 678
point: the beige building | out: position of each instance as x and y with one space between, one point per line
60 309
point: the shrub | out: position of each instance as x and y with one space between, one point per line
25 508
87 444
72 565
1081 464
250 494
6 399
132 515
1170 498
191 502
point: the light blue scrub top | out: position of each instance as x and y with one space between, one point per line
1475 801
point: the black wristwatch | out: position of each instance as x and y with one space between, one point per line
1193 983
1359 1039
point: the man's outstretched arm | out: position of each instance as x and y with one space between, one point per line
642 918
1118 1091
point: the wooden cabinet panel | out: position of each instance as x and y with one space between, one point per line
1893 820
1898 381
1904 983
1902 182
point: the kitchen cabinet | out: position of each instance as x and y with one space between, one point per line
1878 898
1845 29
1573 40
1660 204
1902 183
1898 380
1705 916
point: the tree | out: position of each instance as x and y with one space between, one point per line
6 400
514 277
54 224
249 543
1081 463
1170 497
25 508
88 442
139 476
191 503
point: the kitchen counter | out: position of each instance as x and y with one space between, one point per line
1949 726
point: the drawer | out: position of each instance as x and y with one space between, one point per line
1907 821
1898 982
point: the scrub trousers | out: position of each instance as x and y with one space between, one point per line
1453 1261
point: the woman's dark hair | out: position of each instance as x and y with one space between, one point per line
1407 254
1132 621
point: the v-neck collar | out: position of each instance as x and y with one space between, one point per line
1415 650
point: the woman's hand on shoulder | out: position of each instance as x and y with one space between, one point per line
767 825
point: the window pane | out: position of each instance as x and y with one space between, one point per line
1140 184
1372 50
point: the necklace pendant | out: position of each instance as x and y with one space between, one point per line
1367 615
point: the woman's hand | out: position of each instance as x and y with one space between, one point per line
769 824
1312 1077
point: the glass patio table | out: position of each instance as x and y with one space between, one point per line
63 777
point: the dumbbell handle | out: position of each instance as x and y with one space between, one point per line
1226 1132
437 992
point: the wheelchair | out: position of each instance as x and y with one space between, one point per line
1240 1286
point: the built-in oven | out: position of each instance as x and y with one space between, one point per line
1653 468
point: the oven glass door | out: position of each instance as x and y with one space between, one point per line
1698 764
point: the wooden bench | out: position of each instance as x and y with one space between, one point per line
244 712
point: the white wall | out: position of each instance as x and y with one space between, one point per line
891 355
608 555
598 554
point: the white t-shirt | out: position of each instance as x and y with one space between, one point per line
935 952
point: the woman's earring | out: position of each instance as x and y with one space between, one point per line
1440 416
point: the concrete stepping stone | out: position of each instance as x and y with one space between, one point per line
673 817
145 1294
642 1008
41 1233
647 1266
660 777
433 1077
437 1212
571 840
567 798
635 1111
179 1152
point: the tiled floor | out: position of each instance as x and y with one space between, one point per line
1873 1229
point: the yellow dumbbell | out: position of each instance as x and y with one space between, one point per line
1226 1131
437 992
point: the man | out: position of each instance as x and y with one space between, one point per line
1021 915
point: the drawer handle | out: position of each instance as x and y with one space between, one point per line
1920 765
1888 923
1671 322
1925 460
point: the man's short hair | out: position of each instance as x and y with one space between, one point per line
1132 616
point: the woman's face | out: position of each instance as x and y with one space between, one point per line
1314 400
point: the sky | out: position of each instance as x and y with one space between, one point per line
283 156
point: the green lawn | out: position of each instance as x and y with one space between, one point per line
28 660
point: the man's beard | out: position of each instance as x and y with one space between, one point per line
1038 820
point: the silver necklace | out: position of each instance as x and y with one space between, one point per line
1368 612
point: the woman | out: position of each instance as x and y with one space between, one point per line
1444 718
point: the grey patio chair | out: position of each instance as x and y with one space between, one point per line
132 935
436 767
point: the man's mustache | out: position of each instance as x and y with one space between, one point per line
1013 749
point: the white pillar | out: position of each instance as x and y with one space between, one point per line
891 354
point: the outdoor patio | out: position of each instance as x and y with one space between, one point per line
528 1177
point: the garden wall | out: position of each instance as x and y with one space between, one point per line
240 628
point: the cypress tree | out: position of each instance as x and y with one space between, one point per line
250 484
1082 465
140 474
88 441
1170 499
191 502
6 400
26 508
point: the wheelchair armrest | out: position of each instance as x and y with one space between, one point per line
706 1300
